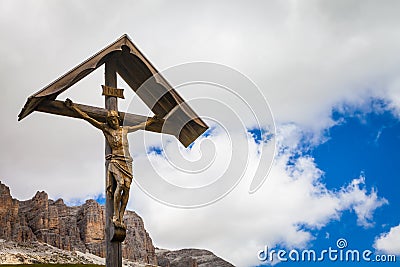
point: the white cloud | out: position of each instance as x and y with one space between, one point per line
292 202
353 197
307 57
389 242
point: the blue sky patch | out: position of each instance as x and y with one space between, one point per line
155 149
260 135
100 199
364 143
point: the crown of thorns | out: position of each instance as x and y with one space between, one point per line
112 113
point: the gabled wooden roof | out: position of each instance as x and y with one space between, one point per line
135 69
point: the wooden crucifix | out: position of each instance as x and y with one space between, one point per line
172 116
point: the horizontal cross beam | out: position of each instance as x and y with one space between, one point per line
58 107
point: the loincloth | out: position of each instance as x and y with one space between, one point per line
121 168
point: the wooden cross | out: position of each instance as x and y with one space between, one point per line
113 249
122 57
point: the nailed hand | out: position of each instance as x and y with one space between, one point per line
68 102
152 120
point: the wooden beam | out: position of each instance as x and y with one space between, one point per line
167 127
113 249
58 108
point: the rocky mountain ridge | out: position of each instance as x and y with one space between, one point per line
81 229
41 253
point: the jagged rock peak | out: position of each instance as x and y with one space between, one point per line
4 190
81 229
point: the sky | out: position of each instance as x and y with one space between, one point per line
314 83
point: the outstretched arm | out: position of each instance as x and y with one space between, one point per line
142 126
83 115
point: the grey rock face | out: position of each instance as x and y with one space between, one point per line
79 228
190 258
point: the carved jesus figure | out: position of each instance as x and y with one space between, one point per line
120 161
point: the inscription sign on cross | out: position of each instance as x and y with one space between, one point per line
110 91
172 116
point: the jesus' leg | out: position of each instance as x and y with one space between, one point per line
109 184
117 202
124 202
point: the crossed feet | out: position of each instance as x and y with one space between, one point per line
118 223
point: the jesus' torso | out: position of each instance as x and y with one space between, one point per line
118 140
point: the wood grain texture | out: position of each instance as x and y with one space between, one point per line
58 108
113 249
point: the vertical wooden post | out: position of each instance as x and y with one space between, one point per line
113 249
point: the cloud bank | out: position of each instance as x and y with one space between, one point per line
291 204
389 242
308 58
